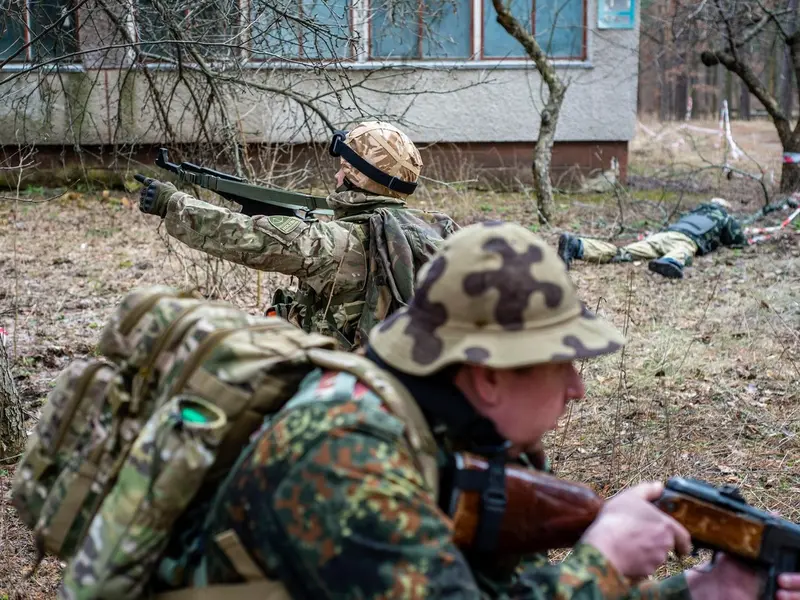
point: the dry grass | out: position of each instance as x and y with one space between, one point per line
696 141
707 386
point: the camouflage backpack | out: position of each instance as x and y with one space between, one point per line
127 441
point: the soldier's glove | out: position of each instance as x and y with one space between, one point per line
154 196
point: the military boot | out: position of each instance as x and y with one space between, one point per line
668 267
569 247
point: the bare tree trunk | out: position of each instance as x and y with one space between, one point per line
12 430
681 95
543 155
786 83
744 103
790 137
664 90
790 171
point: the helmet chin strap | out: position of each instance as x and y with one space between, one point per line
347 186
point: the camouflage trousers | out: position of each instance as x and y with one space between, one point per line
669 244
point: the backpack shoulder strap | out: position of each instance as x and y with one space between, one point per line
399 401
418 436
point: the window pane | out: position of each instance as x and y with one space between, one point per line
559 27
329 33
154 29
12 29
275 26
394 29
55 16
196 23
447 29
497 42
214 22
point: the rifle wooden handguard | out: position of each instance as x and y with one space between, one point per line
715 527
543 512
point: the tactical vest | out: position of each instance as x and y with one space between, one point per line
398 242
694 224
704 226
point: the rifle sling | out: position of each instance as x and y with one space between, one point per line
492 485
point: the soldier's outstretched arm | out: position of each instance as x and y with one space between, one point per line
270 243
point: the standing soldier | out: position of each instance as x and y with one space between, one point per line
335 497
354 270
700 231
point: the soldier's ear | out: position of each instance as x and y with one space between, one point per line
481 385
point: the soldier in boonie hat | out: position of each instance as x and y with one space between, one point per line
496 295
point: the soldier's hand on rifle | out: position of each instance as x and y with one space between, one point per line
726 579
729 579
154 196
788 586
634 535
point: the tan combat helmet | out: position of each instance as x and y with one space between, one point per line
494 294
377 157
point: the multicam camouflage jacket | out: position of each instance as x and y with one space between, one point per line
327 499
710 226
353 271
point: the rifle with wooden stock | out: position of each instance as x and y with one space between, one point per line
543 512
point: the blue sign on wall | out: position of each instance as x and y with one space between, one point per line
615 14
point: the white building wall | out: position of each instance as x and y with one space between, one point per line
470 101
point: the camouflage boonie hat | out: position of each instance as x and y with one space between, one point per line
498 295
386 147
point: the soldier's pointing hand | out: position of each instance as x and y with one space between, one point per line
154 196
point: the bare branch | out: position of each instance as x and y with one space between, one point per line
751 80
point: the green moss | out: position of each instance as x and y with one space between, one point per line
126 119
666 197
77 91
74 177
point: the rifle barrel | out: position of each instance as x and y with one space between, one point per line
254 199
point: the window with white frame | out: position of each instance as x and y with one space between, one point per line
301 29
468 29
358 30
420 29
36 30
557 25
167 28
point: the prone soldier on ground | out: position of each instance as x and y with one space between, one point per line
697 232
354 270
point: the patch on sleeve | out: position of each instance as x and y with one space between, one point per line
283 223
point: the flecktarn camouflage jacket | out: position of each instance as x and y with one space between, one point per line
328 500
